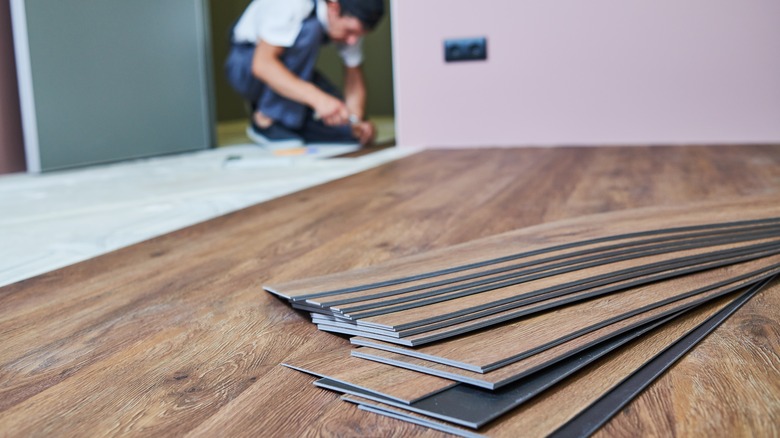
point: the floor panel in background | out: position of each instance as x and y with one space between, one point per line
174 336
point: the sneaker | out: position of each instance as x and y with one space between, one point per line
275 137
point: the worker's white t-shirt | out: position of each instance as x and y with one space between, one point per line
278 22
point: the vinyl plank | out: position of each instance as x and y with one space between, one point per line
367 405
541 264
548 411
556 235
598 413
359 304
483 318
608 272
472 406
391 382
490 349
519 369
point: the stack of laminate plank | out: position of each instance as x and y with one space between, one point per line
546 330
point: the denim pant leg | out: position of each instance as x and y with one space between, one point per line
238 69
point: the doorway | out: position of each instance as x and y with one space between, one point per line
231 112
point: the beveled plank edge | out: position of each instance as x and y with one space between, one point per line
388 396
440 426
482 318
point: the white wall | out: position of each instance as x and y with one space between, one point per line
572 72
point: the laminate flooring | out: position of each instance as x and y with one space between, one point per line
389 381
606 375
499 346
548 411
561 236
173 336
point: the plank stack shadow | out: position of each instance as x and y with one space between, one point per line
547 330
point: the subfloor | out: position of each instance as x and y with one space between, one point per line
60 218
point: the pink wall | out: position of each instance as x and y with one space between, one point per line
11 141
588 72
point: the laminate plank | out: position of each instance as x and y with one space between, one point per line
598 413
392 382
490 349
507 312
729 385
546 413
542 262
471 406
608 272
543 237
521 368
409 417
189 303
360 308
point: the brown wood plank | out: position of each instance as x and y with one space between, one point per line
521 368
393 382
542 262
488 349
537 238
500 314
361 304
457 306
189 303
400 414
545 413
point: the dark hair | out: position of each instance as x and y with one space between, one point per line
369 12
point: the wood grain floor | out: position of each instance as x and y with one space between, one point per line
174 336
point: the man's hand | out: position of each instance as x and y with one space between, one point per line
364 131
331 110
267 66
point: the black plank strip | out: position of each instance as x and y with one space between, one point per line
590 420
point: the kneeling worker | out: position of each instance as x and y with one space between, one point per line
275 45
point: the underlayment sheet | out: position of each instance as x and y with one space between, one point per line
599 411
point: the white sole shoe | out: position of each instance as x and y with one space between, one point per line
272 145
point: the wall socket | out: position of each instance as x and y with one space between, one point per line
465 49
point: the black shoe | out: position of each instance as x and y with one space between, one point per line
274 137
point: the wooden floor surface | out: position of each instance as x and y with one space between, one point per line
175 335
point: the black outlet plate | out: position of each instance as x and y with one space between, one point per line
465 49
